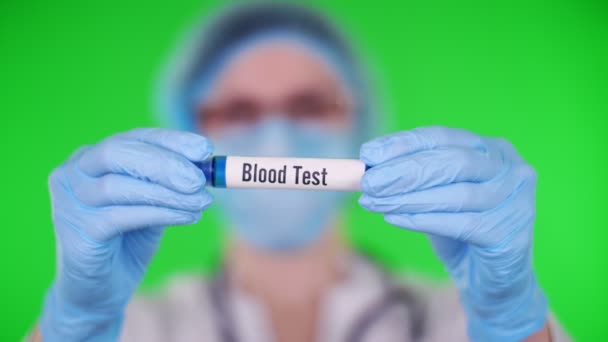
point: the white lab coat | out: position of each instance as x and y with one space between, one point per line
185 312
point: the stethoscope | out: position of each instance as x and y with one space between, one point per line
393 296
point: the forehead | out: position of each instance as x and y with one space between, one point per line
272 69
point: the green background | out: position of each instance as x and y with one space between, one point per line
72 73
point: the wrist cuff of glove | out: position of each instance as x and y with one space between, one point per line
61 322
509 320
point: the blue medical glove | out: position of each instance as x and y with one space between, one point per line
110 203
474 198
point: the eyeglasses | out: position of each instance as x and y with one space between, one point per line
306 106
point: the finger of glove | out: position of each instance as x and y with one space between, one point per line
115 189
142 161
428 169
449 225
192 146
457 197
493 228
399 144
104 223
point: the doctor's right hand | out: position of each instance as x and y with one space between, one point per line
111 202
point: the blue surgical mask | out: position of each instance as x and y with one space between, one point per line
281 220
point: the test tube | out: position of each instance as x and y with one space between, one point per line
283 173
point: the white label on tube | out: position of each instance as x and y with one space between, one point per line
294 173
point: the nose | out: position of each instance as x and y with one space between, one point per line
273 140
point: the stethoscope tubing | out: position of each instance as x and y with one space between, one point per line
226 326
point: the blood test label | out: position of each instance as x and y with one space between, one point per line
294 173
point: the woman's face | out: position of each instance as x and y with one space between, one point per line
276 79
278 99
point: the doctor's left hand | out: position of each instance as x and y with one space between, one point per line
474 197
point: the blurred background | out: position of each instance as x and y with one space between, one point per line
536 73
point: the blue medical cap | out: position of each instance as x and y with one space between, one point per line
206 48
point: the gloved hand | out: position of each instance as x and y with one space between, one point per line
474 198
110 203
